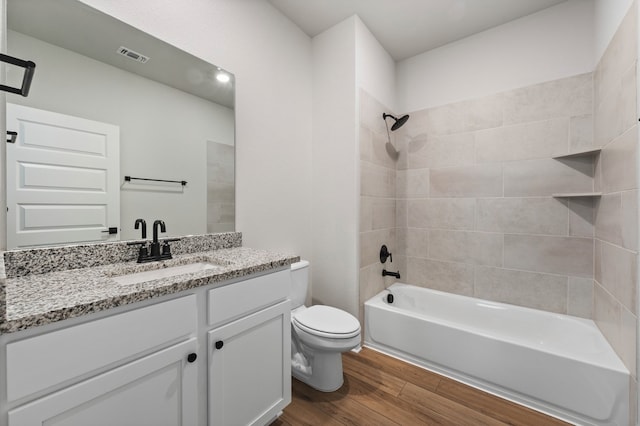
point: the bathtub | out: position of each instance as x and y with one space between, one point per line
557 364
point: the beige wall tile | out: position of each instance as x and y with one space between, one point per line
418 126
541 139
581 133
628 97
401 213
377 181
597 260
522 215
465 116
417 183
370 243
581 217
365 138
557 255
380 153
447 213
619 163
607 314
366 214
401 242
442 151
477 248
473 181
371 282
618 269
627 351
547 176
580 297
416 242
630 220
444 276
533 290
608 117
566 97
401 183
608 220
383 213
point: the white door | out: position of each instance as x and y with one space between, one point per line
62 179
157 390
250 368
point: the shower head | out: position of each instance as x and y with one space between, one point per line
399 122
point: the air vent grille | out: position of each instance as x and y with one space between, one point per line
133 55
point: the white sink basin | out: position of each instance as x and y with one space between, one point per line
156 274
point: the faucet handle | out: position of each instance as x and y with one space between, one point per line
166 249
384 253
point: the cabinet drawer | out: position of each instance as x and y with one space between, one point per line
238 299
40 362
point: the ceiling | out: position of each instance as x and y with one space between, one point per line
406 28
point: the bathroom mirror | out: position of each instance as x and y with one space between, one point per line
174 117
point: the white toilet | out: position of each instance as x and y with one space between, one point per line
319 335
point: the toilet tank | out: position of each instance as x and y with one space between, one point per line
299 283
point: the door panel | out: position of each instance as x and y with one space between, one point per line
250 373
62 179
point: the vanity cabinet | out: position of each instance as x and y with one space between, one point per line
129 368
159 389
218 355
249 373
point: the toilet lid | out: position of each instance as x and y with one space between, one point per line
327 321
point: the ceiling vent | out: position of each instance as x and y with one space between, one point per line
135 56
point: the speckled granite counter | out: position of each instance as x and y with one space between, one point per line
53 293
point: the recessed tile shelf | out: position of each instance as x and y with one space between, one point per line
586 152
577 194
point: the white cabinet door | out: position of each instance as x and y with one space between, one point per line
250 368
159 389
62 178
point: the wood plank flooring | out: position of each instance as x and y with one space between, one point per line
381 390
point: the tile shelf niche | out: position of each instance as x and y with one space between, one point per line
587 152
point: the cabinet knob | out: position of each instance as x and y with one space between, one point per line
219 344
192 357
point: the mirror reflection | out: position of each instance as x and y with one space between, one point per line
109 101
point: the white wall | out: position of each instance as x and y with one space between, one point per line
163 131
335 171
551 44
375 68
607 18
271 60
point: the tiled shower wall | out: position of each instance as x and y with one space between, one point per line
377 199
475 210
616 222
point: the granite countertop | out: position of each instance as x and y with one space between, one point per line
37 299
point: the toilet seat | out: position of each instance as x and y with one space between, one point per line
326 321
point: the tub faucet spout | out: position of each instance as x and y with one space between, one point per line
391 274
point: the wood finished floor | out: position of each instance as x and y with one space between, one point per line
381 390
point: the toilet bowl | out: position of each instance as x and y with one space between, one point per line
319 335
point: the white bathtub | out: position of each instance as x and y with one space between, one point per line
557 364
